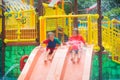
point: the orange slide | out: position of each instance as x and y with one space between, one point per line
61 67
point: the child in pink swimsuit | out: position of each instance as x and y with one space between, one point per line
76 42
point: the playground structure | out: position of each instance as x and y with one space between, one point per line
89 30
61 67
20 22
21 28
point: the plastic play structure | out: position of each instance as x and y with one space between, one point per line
21 28
88 29
61 67
20 19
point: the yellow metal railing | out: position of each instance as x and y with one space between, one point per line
115 40
31 2
106 32
20 26
48 23
88 29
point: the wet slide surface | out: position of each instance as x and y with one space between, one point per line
81 70
35 68
61 67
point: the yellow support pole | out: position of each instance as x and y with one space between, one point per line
109 34
18 32
56 20
89 30
32 19
42 29
63 4
23 1
32 2
70 28
112 50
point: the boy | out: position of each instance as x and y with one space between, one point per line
76 42
51 43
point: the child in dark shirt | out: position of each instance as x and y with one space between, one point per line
51 43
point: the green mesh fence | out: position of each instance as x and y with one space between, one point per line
12 58
111 70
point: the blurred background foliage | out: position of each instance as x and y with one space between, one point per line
110 8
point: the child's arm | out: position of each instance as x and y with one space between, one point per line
57 41
85 44
82 39
69 41
44 42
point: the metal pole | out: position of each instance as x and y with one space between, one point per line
40 7
63 4
40 13
100 38
32 2
75 12
3 44
76 7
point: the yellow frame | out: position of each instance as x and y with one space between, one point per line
107 32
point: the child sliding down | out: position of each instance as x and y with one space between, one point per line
51 43
76 41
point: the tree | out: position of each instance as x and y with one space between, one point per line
113 13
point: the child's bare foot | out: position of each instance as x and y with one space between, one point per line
51 57
45 61
50 60
72 60
78 60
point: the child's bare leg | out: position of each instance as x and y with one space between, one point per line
52 55
78 56
46 54
73 56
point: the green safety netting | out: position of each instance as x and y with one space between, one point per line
12 58
111 70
